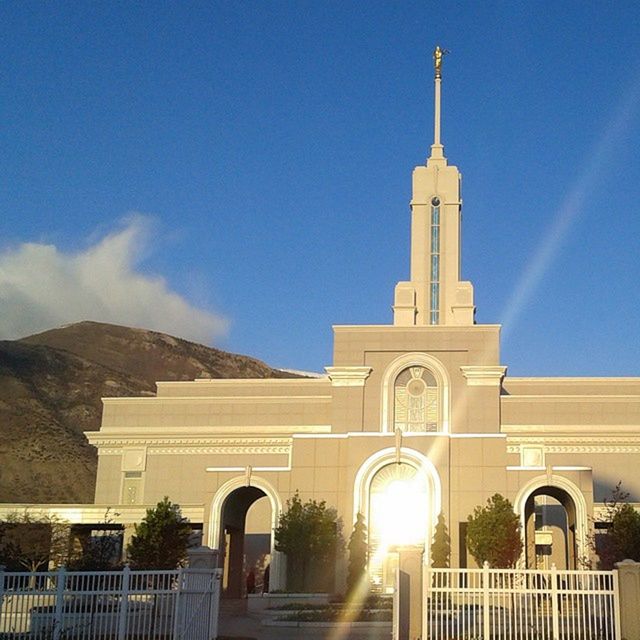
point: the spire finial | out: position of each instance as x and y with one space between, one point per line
438 55
436 148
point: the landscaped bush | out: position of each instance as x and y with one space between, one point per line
336 614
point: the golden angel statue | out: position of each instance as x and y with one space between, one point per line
438 55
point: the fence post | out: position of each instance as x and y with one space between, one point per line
57 621
486 611
215 603
1 585
555 609
177 613
124 603
629 584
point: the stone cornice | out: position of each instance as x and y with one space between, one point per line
569 444
203 435
591 397
605 431
483 375
348 376
422 328
222 399
571 379
196 446
223 382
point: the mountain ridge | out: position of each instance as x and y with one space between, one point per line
51 385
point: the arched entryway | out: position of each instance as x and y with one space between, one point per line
553 517
398 494
243 519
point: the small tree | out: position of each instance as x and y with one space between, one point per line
493 533
441 545
622 538
161 539
308 535
358 552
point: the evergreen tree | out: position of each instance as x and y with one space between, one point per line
441 545
161 539
493 533
358 551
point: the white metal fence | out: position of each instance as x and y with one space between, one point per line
118 605
520 604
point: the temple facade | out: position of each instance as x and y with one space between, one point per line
412 420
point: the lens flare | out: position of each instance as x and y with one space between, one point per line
594 171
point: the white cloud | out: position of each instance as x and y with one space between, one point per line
42 288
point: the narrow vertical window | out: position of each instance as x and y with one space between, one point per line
434 317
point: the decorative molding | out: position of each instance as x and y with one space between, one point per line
592 448
602 444
572 379
168 446
134 459
348 376
575 397
245 468
215 399
554 430
389 328
222 382
227 451
137 436
483 375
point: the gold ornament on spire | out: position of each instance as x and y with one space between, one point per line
438 55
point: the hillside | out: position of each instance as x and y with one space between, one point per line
50 390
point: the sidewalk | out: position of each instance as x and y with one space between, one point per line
248 625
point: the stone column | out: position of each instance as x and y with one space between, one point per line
629 582
202 558
408 600
127 533
278 571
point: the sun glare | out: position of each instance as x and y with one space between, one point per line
399 513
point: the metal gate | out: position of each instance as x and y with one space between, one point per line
197 605
521 604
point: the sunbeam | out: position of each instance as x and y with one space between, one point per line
569 210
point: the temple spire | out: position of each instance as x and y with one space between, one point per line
434 295
437 148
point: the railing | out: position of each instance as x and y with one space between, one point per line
119 605
521 604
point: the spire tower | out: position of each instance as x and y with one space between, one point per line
435 295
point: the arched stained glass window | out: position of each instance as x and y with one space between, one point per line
416 401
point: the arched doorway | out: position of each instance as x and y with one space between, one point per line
398 492
243 517
553 514
232 547
550 529
398 517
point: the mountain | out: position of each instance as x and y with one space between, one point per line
50 390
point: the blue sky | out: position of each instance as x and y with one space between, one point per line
239 172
